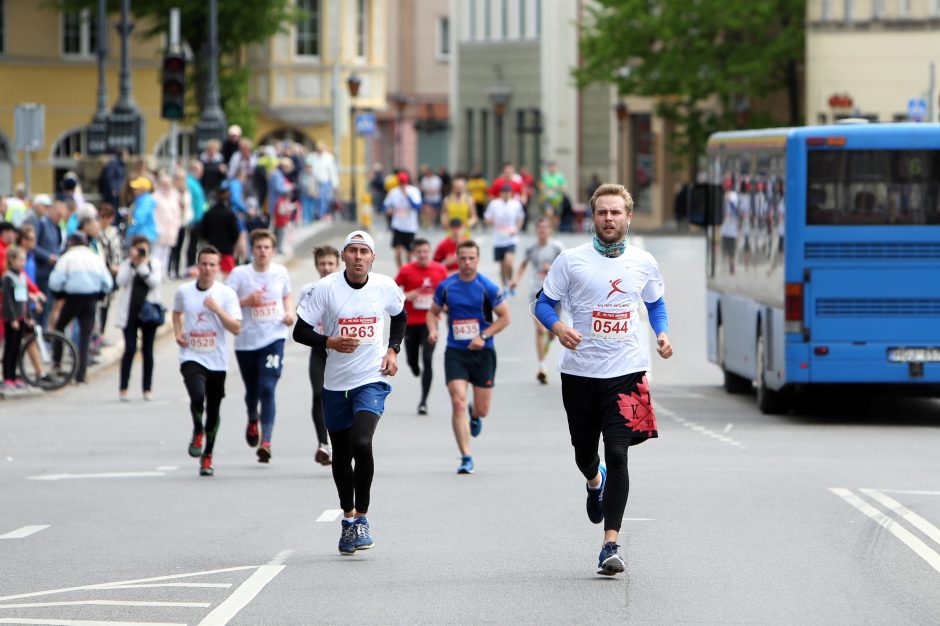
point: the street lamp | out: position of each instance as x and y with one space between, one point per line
499 96
622 112
353 83
401 103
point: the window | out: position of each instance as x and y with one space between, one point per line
308 28
504 19
469 135
443 38
904 9
826 10
362 29
487 19
873 187
522 32
878 10
473 19
935 8
538 18
79 33
848 11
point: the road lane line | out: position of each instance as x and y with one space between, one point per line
24 531
912 492
330 515
905 513
698 428
187 585
103 475
728 428
80 622
281 557
30 605
240 598
920 548
638 519
168 468
119 583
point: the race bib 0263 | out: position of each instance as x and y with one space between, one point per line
365 329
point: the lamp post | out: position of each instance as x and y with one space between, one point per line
353 83
499 96
401 103
622 112
211 124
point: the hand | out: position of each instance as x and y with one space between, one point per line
477 343
346 345
568 337
665 348
432 336
181 339
211 304
390 363
53 258
288 319
255 299
39 305
15 325
411 295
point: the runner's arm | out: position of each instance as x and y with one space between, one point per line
545 311
659 319
396 330
306 334
431 321
502 319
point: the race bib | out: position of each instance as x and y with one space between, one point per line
202 340
265 312
423 301
464 330
365 329
20 293
506 229
610 325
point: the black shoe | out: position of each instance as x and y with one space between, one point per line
422 409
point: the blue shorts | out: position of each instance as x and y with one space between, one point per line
340 406
500 251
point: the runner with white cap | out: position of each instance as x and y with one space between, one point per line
351 306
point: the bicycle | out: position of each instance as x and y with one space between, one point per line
37 363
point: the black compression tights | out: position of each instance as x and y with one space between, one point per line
354 484
413 342
618 477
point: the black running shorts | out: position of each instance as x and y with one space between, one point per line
476 366
619 407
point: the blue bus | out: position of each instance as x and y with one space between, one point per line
823 259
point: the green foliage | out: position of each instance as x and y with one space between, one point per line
704 60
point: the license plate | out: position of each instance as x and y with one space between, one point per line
914 355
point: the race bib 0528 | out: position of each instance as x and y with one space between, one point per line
202 340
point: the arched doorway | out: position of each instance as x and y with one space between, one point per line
66 152
287 134
7 159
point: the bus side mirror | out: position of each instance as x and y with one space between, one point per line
706 205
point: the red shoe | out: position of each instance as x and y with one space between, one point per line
195 446
252 436
205 465
264 452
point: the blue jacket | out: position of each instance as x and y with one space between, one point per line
48 242
198 198
142 220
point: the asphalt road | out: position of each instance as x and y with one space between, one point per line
825 517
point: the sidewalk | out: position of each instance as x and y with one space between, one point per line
300 243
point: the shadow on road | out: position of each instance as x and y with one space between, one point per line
871 410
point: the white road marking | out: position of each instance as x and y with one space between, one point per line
911 492
24 531
188 585
104 475
728 428
240 598
30 605
905 513
168 468
281 557
699 428
920 548
80 622
330 515
639 519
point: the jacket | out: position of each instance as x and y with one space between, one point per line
151 272
80 272
143 221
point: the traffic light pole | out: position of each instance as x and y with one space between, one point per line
174 47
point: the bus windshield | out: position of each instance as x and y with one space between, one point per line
873 187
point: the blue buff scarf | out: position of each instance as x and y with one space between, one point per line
610 249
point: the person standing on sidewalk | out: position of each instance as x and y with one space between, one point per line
351 306
139 279
326 259
603 369
203 310
470 359
263 290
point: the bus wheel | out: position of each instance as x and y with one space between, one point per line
733 383
769 402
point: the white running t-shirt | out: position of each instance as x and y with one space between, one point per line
348 312
506 216
205 335
604 296
262 325
404 215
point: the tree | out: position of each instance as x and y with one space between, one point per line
703 60
240 23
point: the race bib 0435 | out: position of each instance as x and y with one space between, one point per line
465 330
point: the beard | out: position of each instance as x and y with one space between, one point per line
618 235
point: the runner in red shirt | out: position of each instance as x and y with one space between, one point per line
446 251
418 280
514 180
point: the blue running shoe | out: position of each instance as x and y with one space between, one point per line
363 540
466 465
476 424
609 563
347 540
595 498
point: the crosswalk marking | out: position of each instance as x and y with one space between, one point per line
24 531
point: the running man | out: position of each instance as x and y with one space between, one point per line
351 306
470 357
540 256
264 293
403 203
603 370
202 311
418 280
446 251
326 259
506 215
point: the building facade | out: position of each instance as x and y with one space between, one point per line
872 58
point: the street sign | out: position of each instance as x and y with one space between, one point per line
917 109
365 124
29 125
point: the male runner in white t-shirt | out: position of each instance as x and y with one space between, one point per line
202 311
506 215
351 306
264 293
603 369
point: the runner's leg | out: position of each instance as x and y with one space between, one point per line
482 397
215 391
427 352
458 401
364 423
316 370
248 367
617 489
343 469
194 378
268 367
412 343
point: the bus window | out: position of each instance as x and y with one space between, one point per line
873 187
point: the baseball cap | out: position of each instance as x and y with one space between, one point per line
403 178
360 237
141 182
42 198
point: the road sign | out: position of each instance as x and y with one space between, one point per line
365 124
29 125
917 109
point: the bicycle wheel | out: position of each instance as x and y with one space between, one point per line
39 366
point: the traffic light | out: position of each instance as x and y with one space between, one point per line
174 86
